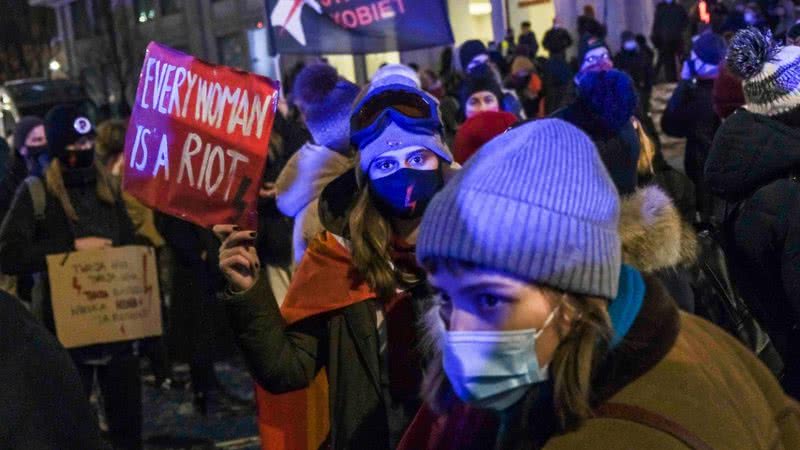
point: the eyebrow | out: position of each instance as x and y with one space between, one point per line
485 285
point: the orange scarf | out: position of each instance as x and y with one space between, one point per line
324 281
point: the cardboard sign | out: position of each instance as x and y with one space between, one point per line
198 138
102 296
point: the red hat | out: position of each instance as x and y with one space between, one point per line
478 130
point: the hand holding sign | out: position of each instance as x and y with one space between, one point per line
198 138
238 259
92 243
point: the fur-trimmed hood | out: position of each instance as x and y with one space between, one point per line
306 175
653 235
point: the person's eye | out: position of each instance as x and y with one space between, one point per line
489 301
417 160
385 165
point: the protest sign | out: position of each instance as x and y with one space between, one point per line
102 296
198 138
357 26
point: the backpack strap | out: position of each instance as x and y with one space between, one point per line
636 414
38 196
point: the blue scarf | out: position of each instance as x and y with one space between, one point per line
626 306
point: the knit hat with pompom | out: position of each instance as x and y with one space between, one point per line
771 73
326 101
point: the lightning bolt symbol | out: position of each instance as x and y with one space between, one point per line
409 203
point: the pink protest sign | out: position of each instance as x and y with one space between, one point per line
198 138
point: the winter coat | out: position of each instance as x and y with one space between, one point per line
43 405
728 93
286 348
671 20
690 114
639 66
16 172
658 242
615 138
557 79
673 364
529 39
750 166
25 242
299 186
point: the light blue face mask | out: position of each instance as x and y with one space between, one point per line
493 369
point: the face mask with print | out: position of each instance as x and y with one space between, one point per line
494 369
406 193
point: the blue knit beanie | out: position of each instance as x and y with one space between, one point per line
536 203
326 101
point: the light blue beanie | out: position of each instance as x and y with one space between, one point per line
536 203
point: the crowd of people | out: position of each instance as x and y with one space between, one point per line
491 254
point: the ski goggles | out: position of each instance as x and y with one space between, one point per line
410 108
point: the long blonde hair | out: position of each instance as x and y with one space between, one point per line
54 180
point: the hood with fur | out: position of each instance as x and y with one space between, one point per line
654 237
306 175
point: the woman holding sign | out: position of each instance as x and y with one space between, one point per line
357 294
75 208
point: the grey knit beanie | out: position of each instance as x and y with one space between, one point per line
536 203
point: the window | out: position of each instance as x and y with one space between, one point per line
145 10
171 7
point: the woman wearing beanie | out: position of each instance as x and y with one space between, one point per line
358 292
752 165
325 101
29 158
690 113
603 110
542 330
74 208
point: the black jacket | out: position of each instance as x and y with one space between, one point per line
671 20
25 243
690 114
750 166
618 147
43 405
639 66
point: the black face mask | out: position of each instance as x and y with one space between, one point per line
406 193
77 159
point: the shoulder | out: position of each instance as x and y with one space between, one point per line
614 434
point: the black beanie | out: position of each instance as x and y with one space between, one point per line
65 125
468 51
23 128
484 81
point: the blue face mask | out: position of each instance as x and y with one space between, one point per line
493 369
37 160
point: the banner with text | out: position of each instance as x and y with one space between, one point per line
357 26
198 138
102 296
